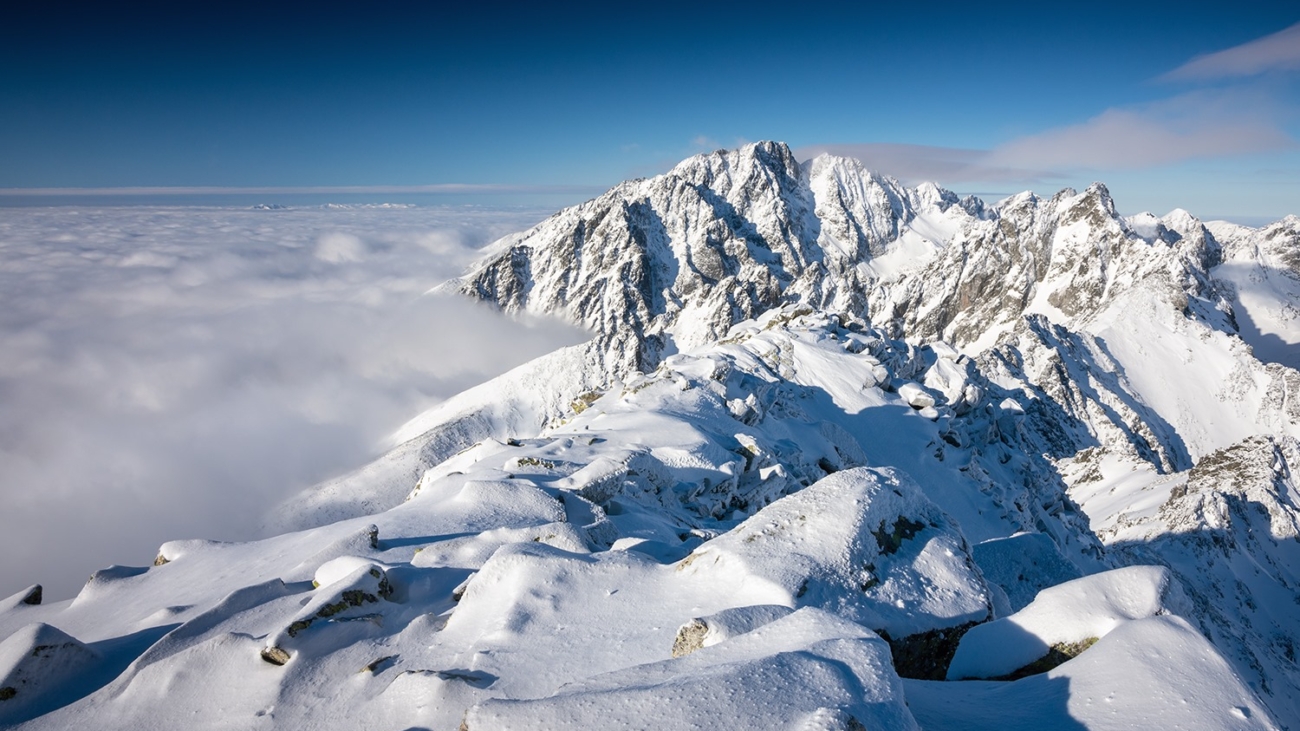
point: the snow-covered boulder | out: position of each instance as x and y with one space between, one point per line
37 662
863 543
915 395
1065 619
1157 672
29 597
341 568
351 598
706 631
810 669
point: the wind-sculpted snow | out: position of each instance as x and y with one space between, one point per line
832 441
845 682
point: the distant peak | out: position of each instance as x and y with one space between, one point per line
775 156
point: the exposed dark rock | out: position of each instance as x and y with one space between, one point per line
33 595
275 655
1057 655
926 655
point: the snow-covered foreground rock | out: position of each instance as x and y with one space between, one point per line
833 443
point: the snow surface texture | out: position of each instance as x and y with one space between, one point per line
829 432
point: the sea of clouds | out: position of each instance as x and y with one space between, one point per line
174 372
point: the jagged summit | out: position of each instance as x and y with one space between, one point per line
672 262
669 263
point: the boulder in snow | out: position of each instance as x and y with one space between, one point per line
705 631
36 664
1065 619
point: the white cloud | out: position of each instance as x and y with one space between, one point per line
171 373
337 247
1186 127
1279 51
1196 125
917 163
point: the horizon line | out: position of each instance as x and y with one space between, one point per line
445 188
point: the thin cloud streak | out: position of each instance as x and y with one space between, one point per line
918 163
1190 126
1196 125
1279 51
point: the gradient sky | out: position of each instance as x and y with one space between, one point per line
1194 105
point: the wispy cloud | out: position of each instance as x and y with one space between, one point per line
1196 125
704 142
1206 123
1277 52
1186 127
916 163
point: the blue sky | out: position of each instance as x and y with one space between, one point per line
569 99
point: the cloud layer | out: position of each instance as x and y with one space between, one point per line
349 190
171 373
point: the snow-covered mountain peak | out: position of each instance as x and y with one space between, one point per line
723 170
720 238
833 441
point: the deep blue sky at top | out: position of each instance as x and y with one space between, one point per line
329 94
